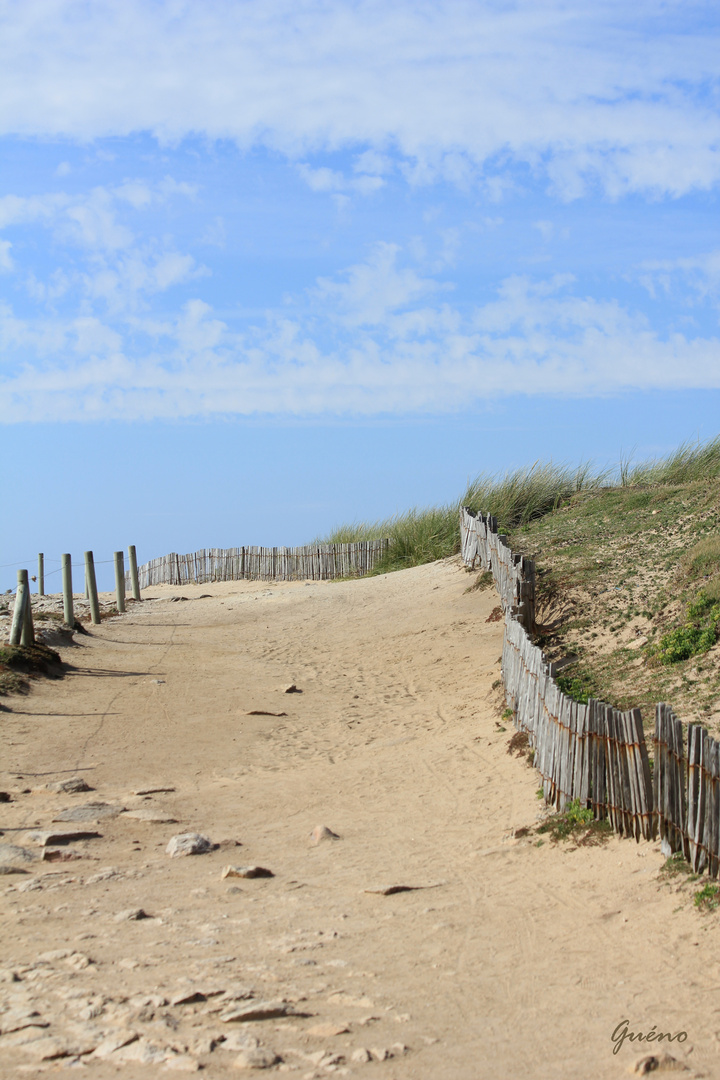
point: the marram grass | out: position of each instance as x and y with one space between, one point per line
517 498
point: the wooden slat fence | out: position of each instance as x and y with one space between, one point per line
316 562
594 753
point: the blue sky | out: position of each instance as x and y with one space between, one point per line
266 267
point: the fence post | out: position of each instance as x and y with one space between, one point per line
92 587
18 619
68 612
27 636
134 583
120 580
41 574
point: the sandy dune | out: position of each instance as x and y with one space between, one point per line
507 959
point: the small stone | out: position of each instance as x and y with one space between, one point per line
399 1049
260 1010
361 1055
188 997
69 787
90 812
322 832
144 1052
206 1044
131 915
5 796
657 1063
239 1040
13 853
182 1063
45 838
114 1042
292 689
260 1058
380 1054
147 813
5 869
327 1031
78 961
61 855
55 954
105 874
246 872
188 844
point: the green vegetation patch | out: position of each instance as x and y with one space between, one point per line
33 660
577 823
580 686
707 898
676 865
696 636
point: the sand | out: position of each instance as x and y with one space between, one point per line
506 958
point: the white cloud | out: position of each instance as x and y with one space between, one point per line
700 273
330 180
6 260
620 96
121 270
377 338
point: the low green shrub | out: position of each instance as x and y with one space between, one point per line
696 636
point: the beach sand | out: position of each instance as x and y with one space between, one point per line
505 958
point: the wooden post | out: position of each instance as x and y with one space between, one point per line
134 583
41 574
92 587
18 619
120 580
27 636
69 615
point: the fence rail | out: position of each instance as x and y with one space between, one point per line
314 562
595 753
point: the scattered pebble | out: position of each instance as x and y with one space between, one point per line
131 915
361 1055
292 689
260 1010
61 855
69 787
90 812
46 837
188 844
327 1031
13 853
322 832
188 997
246 872
259 1058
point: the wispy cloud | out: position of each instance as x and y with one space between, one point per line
609 96
377 338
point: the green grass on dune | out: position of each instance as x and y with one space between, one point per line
420 536
628 565
518 498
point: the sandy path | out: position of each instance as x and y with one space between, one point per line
519 961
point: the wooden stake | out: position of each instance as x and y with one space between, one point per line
120 580
68 612
41 574
134 583
92 587
27 636
18 619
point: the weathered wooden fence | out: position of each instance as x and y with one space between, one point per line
595 753
314 562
